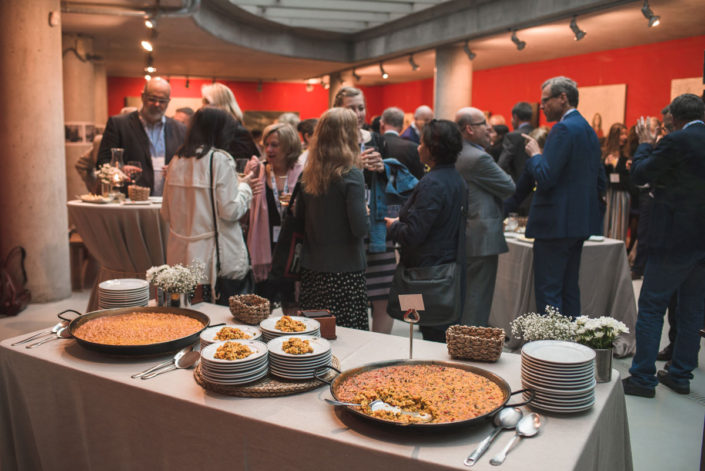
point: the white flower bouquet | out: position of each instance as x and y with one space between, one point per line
551 326
176 279
106 174
599 332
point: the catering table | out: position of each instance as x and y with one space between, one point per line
125 239
66 408
605 287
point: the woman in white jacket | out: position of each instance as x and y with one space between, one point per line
187 206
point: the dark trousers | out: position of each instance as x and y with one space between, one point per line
556 270
646 201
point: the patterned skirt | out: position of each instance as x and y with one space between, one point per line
343 294
617 214
380 272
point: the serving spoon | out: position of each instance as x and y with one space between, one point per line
528 426
54 330
170 361
62 333
505 419
379 404
187 361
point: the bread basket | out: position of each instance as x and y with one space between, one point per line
475 343
249 308
138 193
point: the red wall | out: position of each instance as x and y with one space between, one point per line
647 70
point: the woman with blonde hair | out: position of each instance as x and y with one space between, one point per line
332 205
242 144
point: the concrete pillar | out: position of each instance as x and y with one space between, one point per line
33 176
100 115
79 103
453 81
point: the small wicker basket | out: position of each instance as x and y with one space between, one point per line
138 193
475 343
249 308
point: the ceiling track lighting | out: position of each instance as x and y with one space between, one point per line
150 22
579 33
356 76
385 75
471 55
518 42
648 13
147 46
188 82
149 67
414 65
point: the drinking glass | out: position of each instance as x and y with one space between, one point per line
133 169
240 165
284 193
116 157
512 223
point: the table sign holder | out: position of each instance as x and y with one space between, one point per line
411 303
412 317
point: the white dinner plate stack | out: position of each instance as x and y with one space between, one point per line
208 335
269 330
561 373
123 292
234 372
298 367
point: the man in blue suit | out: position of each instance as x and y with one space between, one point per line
676 241
565 211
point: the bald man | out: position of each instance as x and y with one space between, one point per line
147 136
422 115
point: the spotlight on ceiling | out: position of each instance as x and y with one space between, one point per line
356 76
471 55
649 15
518 42
188 83
150 22
147 77
149 67
147 46
414 65
324 84
385 75
579 33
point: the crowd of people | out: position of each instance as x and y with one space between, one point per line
363 193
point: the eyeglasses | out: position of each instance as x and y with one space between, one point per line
157 100
479 123
545 100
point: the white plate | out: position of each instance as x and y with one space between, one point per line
209 334
235 374
511 235
124 284
560 371
558 352
237 381
557 384
88 199
320 346
596 238
559 392
136 203
260 349
269 323
156 199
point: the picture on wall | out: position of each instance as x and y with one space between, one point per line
602 106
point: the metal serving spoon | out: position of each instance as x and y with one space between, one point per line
187 361
527 427
62 333
378 404
54 330
506 418
170 361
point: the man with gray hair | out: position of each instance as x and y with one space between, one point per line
488 186
404 151
566 208
422 115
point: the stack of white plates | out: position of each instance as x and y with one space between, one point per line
561 373
234 372
123 292
269 331
208 335
298 367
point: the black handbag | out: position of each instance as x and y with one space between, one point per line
286 259
226 287
440 286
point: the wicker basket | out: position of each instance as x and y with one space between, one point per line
475 343
249 308
138 193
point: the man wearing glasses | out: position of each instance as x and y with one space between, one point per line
147 136
567 205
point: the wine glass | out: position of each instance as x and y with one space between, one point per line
133 169
285 192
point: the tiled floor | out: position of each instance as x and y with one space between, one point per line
666 432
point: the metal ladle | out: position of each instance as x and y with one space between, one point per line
505 419
527 427
187 361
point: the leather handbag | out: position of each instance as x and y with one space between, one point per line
440 286
286 259
14 296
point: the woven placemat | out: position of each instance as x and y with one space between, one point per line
268 386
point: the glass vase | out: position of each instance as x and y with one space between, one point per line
603 365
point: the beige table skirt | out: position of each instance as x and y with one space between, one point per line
605 287
65 408
125 239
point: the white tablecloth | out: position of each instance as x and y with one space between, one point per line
66 408
605 287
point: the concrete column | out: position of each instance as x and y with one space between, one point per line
100 115
79 102
33 176
453 81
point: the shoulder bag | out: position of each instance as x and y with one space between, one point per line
14 296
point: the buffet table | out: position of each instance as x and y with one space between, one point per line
66 408
605 287
125 239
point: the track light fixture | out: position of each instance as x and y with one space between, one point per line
150 22
414 65
356 76
385 75
147 77
648 13
471 55
579 33
518 42
147 46
188 82
149 67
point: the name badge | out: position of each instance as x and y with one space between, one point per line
614 178
275 233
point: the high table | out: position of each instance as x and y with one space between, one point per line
125 239
63 407
605 287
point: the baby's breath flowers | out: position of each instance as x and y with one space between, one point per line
176 279
551 326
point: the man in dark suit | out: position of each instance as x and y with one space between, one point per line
488 186
422 115
147 136
676 240
404 151
565 210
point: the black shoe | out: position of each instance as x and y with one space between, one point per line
666 353
632 389
666 379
